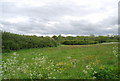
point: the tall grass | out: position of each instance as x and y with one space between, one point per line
64 62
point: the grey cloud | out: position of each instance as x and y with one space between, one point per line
110 20
40 16
73 27
91 28
52 10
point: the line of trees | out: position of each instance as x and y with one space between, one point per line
85 40
11 42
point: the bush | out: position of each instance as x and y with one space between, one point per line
106 73
11 42
78 42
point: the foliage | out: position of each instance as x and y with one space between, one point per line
106 72
78 42
11 42
85 40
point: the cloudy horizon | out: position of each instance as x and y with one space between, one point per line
54 17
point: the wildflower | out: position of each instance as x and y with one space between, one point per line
60 63
94 77
54 78
19 68
14 53
94 72
32 58
88 67
54 70
23 58
84 71
49 77
69 57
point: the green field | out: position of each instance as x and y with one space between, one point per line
63 62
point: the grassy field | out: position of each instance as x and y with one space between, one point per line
63 62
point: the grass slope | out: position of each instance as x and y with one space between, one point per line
63 62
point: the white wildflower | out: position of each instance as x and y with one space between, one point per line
85 71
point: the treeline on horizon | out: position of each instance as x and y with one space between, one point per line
13 42
85 40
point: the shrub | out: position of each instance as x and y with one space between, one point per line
78 42
12 42
106 73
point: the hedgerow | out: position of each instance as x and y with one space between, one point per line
11 42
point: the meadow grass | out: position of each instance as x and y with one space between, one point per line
62 62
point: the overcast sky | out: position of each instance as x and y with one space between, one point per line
53 17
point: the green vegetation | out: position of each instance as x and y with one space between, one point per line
85 40
13 42
78 42
59 57
64 62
